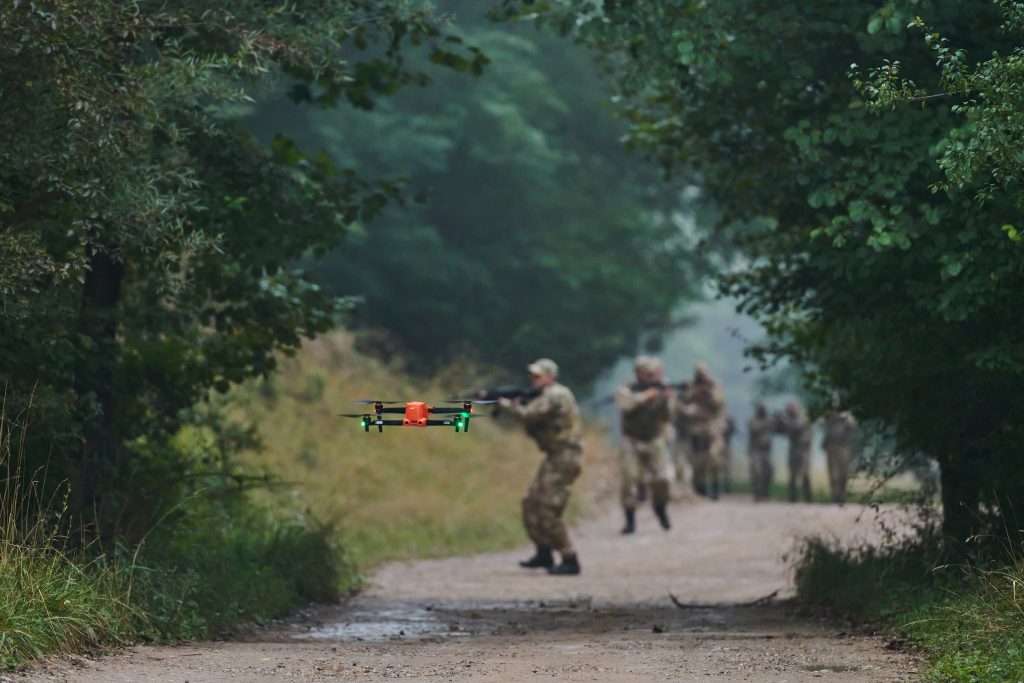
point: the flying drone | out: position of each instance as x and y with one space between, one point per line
415 414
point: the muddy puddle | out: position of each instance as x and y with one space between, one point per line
385 624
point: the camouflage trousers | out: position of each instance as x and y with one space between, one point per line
545 500
761 474
706 461
681 458
799 473
839 457
645 462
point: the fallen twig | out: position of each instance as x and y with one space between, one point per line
705 605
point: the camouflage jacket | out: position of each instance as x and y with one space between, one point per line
797 429
760 430
702 411
839 427
552 419
644 420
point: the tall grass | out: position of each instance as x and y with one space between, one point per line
975 635
968 620
215 564
50 601
220 565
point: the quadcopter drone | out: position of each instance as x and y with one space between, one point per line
416 414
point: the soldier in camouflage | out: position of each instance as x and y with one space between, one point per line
681 452
702 412
552 419
646 420
838 444
727 437
793 423
760 428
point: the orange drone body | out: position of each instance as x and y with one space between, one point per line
416 414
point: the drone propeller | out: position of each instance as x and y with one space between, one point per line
352 414
370 403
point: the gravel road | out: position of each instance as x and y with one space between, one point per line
483 618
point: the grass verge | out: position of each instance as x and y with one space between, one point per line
968 622
217 567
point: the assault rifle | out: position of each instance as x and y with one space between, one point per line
644 386
511 391
679 387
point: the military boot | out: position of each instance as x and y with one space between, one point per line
662 514
630 521
542 558
570 566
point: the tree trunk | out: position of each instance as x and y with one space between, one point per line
960 499
95 382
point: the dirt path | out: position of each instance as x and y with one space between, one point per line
484 619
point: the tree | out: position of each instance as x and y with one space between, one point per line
899 294
538 236
984 149
147 240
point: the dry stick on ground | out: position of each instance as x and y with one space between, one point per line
703 605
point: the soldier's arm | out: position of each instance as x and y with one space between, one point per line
538 408
717 399
627 399
779 425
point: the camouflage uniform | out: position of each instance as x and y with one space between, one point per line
645 445
552 419
728 433
703 415
760 428
681 448
838 444
797 428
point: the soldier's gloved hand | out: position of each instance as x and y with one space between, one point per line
652 393
505 403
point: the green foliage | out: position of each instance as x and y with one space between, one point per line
871 583
984 148
147 242
536 223
897 292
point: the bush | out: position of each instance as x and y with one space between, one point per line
221 565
